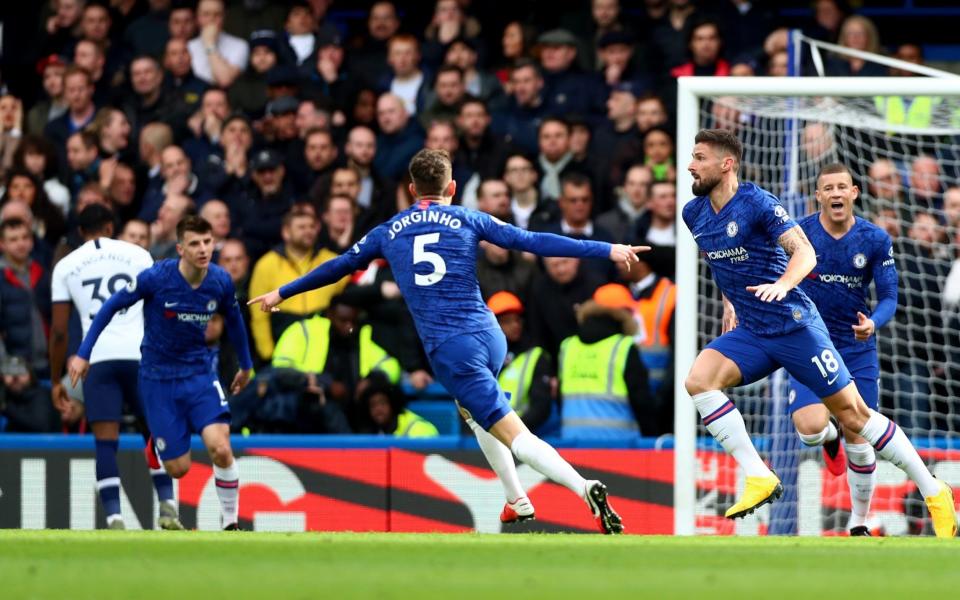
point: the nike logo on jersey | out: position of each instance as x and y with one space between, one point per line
696 235
170 304
830 381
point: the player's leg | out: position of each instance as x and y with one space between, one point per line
500 459
209 413
815 426
822 370
861 462
103 404
734 358
162 406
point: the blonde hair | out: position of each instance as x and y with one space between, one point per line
873 37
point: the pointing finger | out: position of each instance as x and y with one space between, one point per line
640 248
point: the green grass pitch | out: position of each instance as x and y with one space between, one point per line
99 565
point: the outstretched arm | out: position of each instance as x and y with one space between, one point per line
802 260
124 298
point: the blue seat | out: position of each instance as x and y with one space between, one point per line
3 423
443 414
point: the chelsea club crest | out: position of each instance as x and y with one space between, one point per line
212 305
859 260
732 229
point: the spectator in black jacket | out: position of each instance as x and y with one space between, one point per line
78 92
564 285
258 215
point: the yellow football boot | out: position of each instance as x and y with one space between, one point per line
757 492
942 512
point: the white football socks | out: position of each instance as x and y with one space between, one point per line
501 461
862 479
892 444
725 424
828 434
227 481
542 457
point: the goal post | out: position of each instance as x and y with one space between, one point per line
771 114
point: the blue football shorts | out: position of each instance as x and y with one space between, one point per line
175 408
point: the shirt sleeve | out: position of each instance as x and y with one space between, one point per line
544 244
59 292
236 330
359 256
125 298
886 280
773 217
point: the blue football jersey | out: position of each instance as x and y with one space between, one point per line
740 245
840 283
175 318
432 250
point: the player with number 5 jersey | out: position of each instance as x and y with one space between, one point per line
432 250
181 392
758 256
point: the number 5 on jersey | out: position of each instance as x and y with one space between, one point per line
421 255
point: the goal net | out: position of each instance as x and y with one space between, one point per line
907 170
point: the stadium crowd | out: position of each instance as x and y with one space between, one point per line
288 125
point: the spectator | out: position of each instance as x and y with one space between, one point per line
280 127
53 103
234 260
884 187
556 159
163 231
618 61
113 133
778 64
339 353
925 183
95 26
704 42
658 154
658 226
18 209
148 33
606 21
621 220
24 299
330 78
226 173
296 257
311 114
564 285
205 126
449 24
500 269
669 37
386 409
400 137
46 219
619 135
407 79
36 156
249 92
339 214
443 103
481 84
479 151
181 82
217 214
26 405
442 135
61 27
152 141
526 204
568 89
515 45
910 53
369 54
91 193
857 33
217 57
527 374
299 42
375 190
149 103
78 91
604 391
319 157
11 130
651 111
518 123
137 232
89 55
177 179
951 206
258 214
888 219
83 160
182 22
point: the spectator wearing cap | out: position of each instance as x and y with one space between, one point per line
400 137
619 133
53 104
443 102
280 128
500 269
619 63
149 32
604 392
479 83
257 216
177 178
249 92
78 91
704 43
180 80
519 121
329 77
217 57
631 203
656 299
568 89
296 256
407 80
300 42
527 374
369 52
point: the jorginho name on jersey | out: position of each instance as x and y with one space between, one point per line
840 283
92 273
740 243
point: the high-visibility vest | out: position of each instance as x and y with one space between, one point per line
305 344
412 425
918 114
656 312
596 403
515 378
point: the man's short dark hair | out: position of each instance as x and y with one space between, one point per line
88 138
722 140
576 179
525 63
332 197
548 120
449 69
833 169
298 210
430 171
12 223
94 219
317 131
194 224
471 99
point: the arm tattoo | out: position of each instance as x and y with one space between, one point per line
793 240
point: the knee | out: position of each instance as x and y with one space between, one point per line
221 454
853 416
177 469
811 420
697 383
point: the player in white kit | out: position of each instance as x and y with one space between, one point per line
86 278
